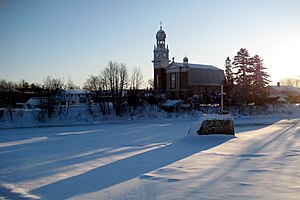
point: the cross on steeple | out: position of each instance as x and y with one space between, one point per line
160 25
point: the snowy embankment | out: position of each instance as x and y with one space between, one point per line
153 159
83 115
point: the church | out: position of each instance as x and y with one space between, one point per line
181 80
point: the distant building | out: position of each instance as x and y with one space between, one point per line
35 102
182 80
283 94
74 98
64 98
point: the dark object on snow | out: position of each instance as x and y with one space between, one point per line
217 126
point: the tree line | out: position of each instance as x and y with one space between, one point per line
114 79
294 82
12 93
246 82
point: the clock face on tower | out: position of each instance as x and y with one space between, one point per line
164 55
157 55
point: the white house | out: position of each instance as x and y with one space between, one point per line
35 102
74 98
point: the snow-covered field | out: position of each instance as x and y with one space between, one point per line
152 159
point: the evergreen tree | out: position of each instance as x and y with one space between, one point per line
259 80
229 84
228 72
242 64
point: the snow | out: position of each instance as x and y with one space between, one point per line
152 159
171 102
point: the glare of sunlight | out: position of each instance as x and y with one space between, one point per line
282 59
19 142
80 132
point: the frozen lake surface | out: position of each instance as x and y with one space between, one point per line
153 159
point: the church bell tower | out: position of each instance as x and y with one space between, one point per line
160 61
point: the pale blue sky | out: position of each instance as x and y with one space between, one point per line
77 38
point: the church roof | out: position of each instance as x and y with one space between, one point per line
174 65
199 74
206 76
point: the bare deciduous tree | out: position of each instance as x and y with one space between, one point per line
136 78
151 83
53 83
295 82
92 83
7 84
52 87
116 75
98 85
70 85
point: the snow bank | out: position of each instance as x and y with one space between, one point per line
171 102
83 115
36 117
10 191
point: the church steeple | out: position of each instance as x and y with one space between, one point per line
161 51
160 61
160 38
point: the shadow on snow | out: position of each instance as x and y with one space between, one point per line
128 168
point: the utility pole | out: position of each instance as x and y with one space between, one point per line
179 82
222 99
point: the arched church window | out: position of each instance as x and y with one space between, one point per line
173 80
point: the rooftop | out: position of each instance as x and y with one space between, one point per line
284 88
195 66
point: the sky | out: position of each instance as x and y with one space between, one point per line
72 39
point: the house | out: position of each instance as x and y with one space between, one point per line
74 98
35 102
283 94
